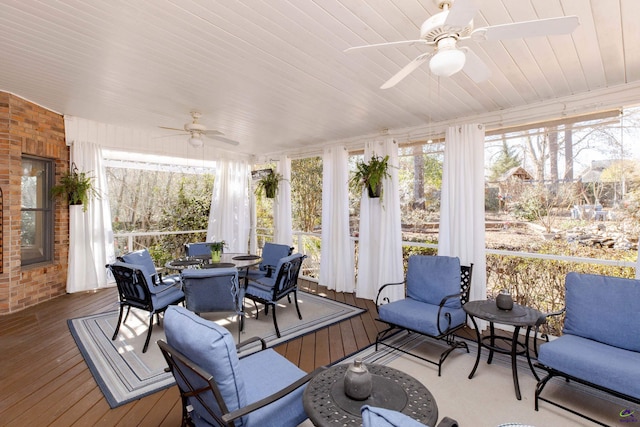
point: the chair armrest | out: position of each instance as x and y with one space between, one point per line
446 315
263 343
272 398
378 302
543 318
270 270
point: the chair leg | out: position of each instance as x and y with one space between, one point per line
115 334
275 322
126 316
146 342
295 299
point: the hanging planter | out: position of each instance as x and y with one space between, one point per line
268 185
76 186
370 175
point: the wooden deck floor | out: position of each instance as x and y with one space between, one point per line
44 380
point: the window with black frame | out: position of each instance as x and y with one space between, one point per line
36 229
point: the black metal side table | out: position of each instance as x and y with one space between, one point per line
326 403
518 317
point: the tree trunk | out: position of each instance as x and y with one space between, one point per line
418 177
568 153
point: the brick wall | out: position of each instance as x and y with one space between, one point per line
27 128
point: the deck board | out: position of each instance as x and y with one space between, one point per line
45 381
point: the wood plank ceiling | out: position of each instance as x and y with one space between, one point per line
274 76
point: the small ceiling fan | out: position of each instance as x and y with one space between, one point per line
197 130
445 30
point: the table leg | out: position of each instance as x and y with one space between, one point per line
479 339
514 364
492 338
526 349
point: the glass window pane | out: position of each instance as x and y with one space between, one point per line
36 228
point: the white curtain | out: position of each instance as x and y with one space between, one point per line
336 257
282 205
230 212
380 237
462 222
90 233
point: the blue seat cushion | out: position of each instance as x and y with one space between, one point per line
211 347
420 316
259 290
379 417
165 296
603 308
598 363
265 373
431 278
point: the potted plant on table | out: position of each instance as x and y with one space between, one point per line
370 175
268 184
76 186
216 250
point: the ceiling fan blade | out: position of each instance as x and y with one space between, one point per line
408 69
211 132
409 42
223 139
474 67
461 13
537 28
164 127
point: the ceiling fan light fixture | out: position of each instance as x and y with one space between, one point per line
448 60
196 141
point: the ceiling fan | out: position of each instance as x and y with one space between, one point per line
445 30
197 130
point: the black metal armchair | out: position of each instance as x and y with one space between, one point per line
135 290
269 290
217 388
271 254
436 289
143 259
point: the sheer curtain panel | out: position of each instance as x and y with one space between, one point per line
462 223
337 269
90 233
380 236
282 204
229 215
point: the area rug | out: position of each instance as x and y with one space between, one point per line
488 399
124 373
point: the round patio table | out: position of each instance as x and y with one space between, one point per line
518 317
237 260
326 403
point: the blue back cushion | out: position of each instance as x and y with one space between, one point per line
603 308
212 289
271 254
212 348
194 249
431 278
144 260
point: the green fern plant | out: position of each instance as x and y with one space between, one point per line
76 186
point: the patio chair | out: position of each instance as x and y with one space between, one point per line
197 249
143 258
284 282
436 289
135 290
217 388
271 254
213 289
